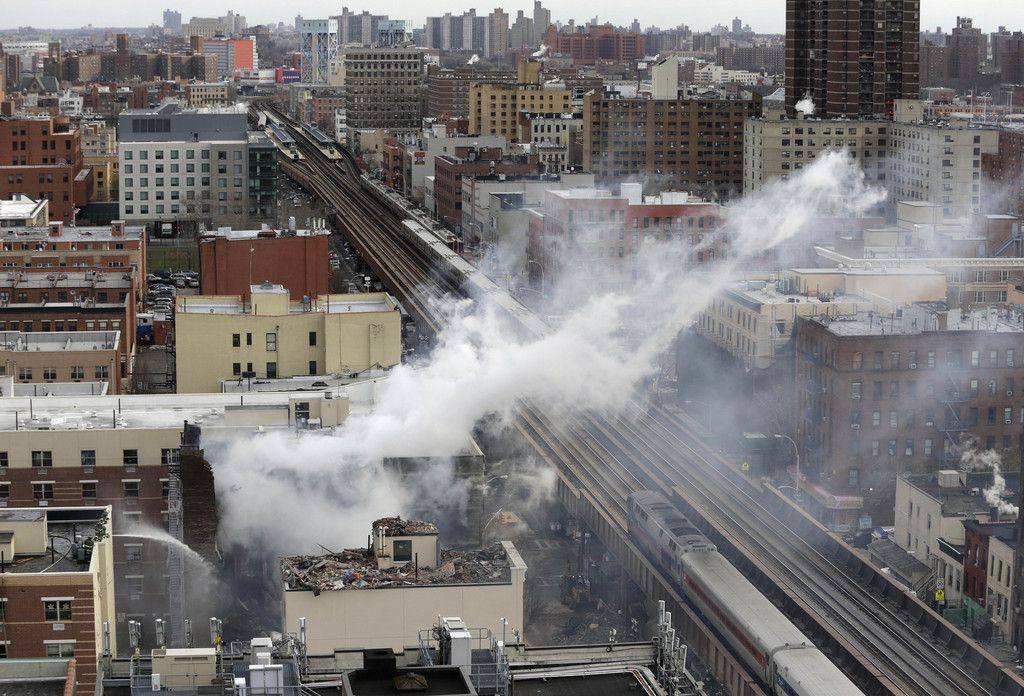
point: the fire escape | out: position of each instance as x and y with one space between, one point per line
815 422
175 558
952 424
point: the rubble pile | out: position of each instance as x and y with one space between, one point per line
396 526
357 569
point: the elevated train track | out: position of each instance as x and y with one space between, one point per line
601 459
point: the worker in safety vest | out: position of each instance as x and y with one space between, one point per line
940 599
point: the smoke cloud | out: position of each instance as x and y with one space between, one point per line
806 106
982 460
290 492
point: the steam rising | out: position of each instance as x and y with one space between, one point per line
990 459
290 492
806 106
540 52
473 60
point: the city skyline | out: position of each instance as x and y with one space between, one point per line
766 17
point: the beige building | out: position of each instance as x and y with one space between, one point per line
209 94
775 148
938 162
99 153
495 108
753 319
22 211
40 357
222 337
999 589
385 595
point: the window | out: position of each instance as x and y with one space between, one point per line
312 367
975 358
908 450
271 342
236 340
78 372
5 460
248 341
912 358
855 388
931 358
1009 358
165 488
133 584
271 370
42 458
874 448
858 360
312 338
133 552
877 391
42 490
24 373
57 609
5 493
60 649
88 490
102 372
168 455
130 457
876 418
88 457
401 550
894 359
130 487
878 360
894 389
50 373
854 477
236 369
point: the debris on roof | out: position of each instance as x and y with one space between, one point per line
396 526
357 569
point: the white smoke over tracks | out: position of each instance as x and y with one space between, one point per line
290 492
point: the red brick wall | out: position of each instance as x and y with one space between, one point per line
40 163
298 263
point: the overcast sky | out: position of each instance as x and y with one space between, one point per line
762 15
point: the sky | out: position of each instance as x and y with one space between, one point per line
762 15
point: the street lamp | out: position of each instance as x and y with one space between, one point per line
541 267
797 497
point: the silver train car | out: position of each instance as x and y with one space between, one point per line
767 642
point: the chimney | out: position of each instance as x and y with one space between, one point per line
117 228
56 228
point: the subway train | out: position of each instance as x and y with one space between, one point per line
469 280
770 645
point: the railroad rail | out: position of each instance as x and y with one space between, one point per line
601 459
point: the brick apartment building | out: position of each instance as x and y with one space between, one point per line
853 58
600 43
448 90
33 300
117 248
604 233
1004 170
42 158
231 261
977 557
908 392
53 357
684 145
469 161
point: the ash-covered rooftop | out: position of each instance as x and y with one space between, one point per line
356 569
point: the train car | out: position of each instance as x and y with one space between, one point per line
760 635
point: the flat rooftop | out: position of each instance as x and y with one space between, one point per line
330 304
268 233
921 318
768 293
429 681
60 279
612 683
964 499
59 341
20 208
356 569
68 233
62 526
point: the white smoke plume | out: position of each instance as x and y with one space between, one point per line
473 60
292 492
540 52
982 460
806 105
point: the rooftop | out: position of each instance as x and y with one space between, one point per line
1004 531
58 279
58 231
64 528
58 341
965 499
20 207
266 232
357 569
330 304
922 317
396 526
764 292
